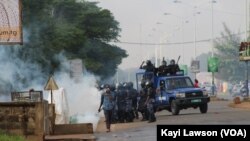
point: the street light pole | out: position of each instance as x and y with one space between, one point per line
212 40
156 57
195 28
182 30
212 7
246 20
195 33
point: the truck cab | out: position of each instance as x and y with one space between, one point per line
174 92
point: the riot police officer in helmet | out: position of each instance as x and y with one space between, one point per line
150 101
163 69
173 68
149 67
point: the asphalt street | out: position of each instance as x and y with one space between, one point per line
218 113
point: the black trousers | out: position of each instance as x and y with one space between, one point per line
108 117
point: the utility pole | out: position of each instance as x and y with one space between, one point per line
212 1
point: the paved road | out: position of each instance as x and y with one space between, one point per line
218 113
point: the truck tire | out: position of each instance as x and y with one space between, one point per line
174 108
169 109
203 108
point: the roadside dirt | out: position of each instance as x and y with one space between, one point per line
244 104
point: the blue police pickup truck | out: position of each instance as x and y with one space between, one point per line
174 92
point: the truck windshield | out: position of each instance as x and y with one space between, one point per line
175 83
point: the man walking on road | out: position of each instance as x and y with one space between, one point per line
150 101
107 103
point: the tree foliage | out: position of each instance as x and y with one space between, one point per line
230 68
77 29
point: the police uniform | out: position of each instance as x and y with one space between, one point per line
150 104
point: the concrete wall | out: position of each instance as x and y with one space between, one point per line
30 119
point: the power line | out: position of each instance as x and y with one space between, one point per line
175 43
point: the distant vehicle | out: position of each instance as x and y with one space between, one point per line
209 88
175 92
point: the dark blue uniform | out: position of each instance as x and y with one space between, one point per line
150 104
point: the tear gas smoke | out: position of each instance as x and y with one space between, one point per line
15 71
83 96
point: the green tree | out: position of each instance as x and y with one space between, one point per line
77 29
230 68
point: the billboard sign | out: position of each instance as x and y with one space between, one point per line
184 68
10 22
212 65
195 66
244 51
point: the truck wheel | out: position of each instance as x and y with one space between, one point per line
174 108
169 109
203 108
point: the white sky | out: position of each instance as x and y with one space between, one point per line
144 21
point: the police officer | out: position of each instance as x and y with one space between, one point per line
150 101
173 68
128 100
149 67
163 69
120 102
134 96
142 107
115 108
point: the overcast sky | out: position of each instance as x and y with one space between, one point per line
168 21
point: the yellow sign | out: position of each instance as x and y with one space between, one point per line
51 84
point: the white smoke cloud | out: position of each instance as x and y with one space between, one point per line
13 70
83 96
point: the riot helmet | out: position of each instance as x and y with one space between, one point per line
148 62
163 63
172 62
149 84
130 84
102 87
125 85
118 85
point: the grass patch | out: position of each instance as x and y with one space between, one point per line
9 137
